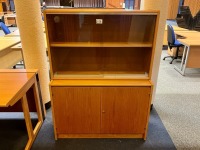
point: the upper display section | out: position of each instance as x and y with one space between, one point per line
100 26
101 43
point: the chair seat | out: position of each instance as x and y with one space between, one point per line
177 43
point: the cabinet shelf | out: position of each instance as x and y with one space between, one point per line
99 82
100 75
101 44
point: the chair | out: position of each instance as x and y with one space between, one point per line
172 42
4 28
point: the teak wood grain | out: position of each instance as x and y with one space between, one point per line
119 109
14 86
77 110
9 92
101 64
193 58
115 28
76 42
100 110
99 11
99 82
100 60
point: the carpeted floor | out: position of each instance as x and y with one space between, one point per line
13 136
157 138
178 104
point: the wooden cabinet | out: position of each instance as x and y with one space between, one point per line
104 110
101 66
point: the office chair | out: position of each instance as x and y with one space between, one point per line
172 42
4 28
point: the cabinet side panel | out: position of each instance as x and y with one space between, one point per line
77 110
125 109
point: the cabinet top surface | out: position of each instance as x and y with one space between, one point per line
100 11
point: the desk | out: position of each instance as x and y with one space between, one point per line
10 19
13 34
176 28
191 53
14 85
192 35
18 47
16 33
8 57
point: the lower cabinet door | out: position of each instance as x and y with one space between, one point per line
124 110
76 110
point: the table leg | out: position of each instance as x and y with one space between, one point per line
184 67
28 122
32 132
183 57
37 101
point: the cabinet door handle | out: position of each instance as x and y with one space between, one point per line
103 111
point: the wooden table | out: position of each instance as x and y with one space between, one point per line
8 57
191 53
18 47
14 85
176 28
192 35
16 33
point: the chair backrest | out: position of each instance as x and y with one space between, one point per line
4 28
170 34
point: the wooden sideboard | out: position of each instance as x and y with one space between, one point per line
101 67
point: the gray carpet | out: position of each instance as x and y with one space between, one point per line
157 138
14 137
178 104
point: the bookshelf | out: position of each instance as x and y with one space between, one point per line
101 65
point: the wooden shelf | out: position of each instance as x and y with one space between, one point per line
99 82
100 75
101 44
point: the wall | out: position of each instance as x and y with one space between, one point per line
52 2
173 6
194 6
114 3
1 8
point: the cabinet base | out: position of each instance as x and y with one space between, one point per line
101 136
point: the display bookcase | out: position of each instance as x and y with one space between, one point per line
101 66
